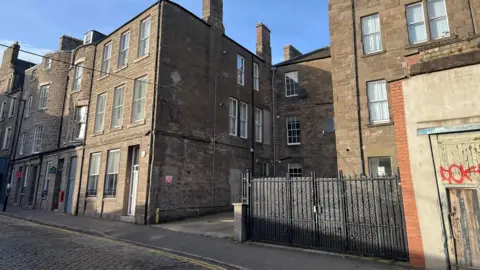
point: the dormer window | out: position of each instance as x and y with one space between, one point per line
87 39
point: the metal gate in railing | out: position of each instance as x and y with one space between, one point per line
362 215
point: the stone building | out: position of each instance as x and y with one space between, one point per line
12 73
379 118
177 111
304 142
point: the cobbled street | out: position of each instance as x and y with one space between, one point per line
25 245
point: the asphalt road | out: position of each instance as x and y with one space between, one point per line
25 245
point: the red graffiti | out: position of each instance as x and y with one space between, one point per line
457 174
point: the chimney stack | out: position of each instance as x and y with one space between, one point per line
264 49
68 43
10 55
212 13
290 52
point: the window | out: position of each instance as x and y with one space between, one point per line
42 101
37 139
124 46
113 162
240 70
291 84
2 109
256 77
77 81
372 38
48 63
243 120
100 112
378 102
28 109
144 41
380 166
47 179
294 170
416 23
23 140
87 39
25 179
293 130
233 123
33 76
437 17
93 174
117 112
139 96
107 54
80 122
9 84
11 110
258 124
265 169
7 138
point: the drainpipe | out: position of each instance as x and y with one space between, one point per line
472 17
214 136
274 118
355 54
63 109
252 132
154 119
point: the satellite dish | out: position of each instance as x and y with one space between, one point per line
302 92
328 125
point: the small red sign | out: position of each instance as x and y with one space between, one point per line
168 179
18 174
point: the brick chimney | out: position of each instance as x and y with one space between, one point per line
10 55
68 43
290 52
264 49
212 13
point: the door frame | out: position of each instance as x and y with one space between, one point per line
69 185
133 187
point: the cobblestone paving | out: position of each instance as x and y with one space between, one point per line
24 245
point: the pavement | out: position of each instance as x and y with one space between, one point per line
216 251
217 225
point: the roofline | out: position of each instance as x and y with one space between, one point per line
297 59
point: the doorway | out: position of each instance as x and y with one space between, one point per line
32 184
58 184
132 196
70 186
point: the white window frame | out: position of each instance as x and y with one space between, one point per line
243 120
256 77
7 138
87 39
48 63
409 24
80 123
123 50
33 76
430 19
77 80
294 119
118 108
25 178
370 165
47 179
107 55
291 87
28 109
258 125
100 113
291 170
240 70
383 102
140 82
11 109
233 115
43 99
113 172
144 39
93 175
2 110
23 140
37 139
365 36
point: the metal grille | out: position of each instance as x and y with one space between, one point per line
351 215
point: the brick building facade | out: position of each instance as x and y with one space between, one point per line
304 141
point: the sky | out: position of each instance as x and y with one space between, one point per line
302 23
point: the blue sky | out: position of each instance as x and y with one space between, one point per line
302 23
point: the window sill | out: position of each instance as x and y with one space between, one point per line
291 96
374 54
98 133
373 125
75 91
114 129
102 77
136 124
42 109
121 68
431 43
110 198
293 144
141 58
91 198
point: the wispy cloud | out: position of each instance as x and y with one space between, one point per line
26 47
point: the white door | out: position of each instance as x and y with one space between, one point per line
132 198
